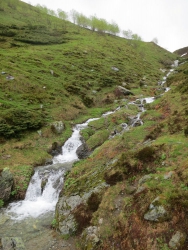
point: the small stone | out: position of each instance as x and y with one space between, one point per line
168 175
177 241
130 189
115 69
100 221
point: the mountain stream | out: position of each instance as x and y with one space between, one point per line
31 218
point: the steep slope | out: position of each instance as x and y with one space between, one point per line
131 193
66 73
62 72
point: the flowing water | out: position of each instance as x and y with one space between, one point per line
31 218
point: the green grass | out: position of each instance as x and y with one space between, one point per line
84 85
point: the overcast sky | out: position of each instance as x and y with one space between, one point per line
165 19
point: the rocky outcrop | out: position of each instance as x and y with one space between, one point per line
83 151
6 183
75 210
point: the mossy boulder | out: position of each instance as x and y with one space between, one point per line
57 127
6 183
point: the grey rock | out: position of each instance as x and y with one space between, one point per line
6 183
115 69
168 175
144 179
48 161
90 237
83 151
124 91
68 226
57 127
177 241
158 214
55 149
140 190
130 189
12 243
9 77
66 205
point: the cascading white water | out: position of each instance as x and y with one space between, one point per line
39 201
71 145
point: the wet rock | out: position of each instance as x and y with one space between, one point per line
124 91
55 149
57 127
49 162
3 218
83 151
137 123
43 184
6 183
12 243
177 241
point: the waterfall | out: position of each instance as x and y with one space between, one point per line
47 182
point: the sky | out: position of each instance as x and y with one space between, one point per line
166 20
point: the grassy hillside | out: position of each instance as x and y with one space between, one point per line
66 73
62 72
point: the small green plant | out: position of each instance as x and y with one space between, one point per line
54 223
184 187
163 156
1 203
69 182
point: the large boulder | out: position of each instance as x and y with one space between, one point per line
83 151
57 127
74 212
6 183
66 221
